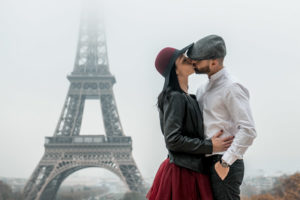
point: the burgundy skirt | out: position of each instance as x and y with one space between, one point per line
173 182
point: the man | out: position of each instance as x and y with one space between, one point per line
225 105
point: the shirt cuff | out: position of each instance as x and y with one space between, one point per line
229 158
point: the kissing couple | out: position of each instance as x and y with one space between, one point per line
207 133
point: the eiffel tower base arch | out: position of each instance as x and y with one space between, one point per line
58 163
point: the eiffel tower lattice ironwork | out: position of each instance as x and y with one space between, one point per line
68 151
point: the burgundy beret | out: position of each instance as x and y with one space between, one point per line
163 59
166 59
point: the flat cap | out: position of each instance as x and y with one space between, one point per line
209 47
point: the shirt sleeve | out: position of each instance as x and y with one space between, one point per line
174 111
237 103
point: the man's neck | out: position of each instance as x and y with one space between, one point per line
215 71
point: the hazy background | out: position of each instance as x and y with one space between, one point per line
38 41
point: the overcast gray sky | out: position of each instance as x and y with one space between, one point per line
37 51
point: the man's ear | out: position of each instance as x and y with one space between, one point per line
214 62
217 61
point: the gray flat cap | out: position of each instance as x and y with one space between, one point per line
209 47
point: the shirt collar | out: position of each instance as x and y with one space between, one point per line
218 75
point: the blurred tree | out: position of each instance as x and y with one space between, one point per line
287 188
248 190
264 197
134 196
5 191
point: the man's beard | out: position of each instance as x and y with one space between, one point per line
204 70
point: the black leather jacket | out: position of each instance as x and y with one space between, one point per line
182 126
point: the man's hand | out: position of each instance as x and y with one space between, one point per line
221 144
221 171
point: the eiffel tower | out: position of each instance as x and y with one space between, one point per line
67 151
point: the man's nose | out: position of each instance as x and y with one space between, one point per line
189 61
194 64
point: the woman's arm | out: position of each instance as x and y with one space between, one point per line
174 110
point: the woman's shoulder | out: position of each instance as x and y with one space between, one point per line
175 97
174 100
176 93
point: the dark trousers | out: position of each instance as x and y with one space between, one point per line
229 188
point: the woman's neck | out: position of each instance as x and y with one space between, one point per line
183 83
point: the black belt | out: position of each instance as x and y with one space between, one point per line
214 158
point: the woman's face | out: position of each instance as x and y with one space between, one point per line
183 66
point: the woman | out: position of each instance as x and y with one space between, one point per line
183 175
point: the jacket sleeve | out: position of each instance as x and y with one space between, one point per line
174 110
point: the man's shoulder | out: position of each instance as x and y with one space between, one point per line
235 86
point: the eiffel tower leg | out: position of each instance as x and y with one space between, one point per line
71 117
111 119
31 182
132 175
45 181
50 190
36 181
78 116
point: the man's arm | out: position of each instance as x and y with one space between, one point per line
237 104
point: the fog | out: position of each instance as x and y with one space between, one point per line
37 51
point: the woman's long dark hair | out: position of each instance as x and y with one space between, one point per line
172 86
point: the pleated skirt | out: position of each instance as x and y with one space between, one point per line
173 182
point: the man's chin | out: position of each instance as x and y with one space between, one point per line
200 72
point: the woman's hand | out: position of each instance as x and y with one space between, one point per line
221 144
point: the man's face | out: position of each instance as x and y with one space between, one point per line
201 66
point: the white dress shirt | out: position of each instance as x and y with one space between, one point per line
225 105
